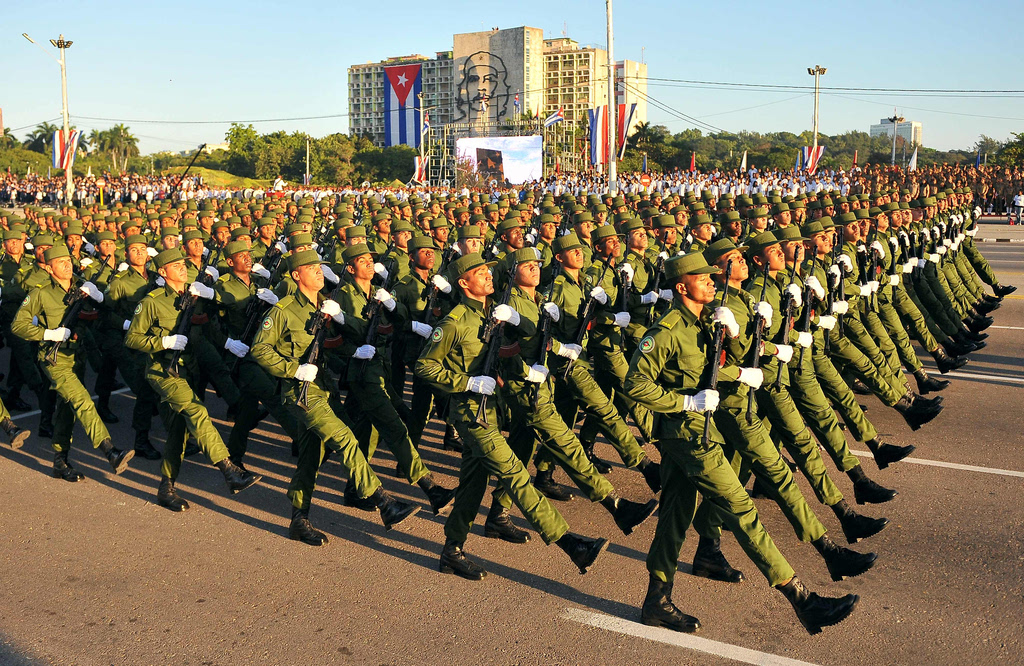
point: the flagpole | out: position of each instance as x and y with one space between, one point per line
612 106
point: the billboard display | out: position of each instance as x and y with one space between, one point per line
509 160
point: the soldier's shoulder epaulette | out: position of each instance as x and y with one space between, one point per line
670 319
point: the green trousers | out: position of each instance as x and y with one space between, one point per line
897 333
687 468
881 382
212 368
843 399
73 402
929 335
924 298
257 387
183 414
978 261
878 346
485 453
610 369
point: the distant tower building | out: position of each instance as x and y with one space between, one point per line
909 130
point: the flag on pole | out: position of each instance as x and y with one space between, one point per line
811 155
625 119
743 162
64 149
977 161
402 87
799 161
426 122
536 114
693 161
912 164
598 135
420 163
556 117
305 179
515 103
644 168
854 160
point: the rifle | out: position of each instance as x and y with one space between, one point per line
588 310
545 333
659 271
177 183
787 319
186 305
373 308
317 327
435 293
492 335
758 338
254 312
806 325
719 336
74 301
872 267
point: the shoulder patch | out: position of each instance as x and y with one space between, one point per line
437 335
138 308
267 323
647 344
25 302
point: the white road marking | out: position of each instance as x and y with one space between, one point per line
1009 328
995 378
36 411
668 637
949 465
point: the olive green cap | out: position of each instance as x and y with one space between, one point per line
302 258
420 242
790 233
692 263
720 248
55 252
463 265
353 251
758 243
168 257
569 241
470 231
234 247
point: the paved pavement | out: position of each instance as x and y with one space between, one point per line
96 573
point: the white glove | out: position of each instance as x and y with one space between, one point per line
329 275
926 233
384 297
878 248
92 291
977 212
862 248
895 242
151 251
56 334
552 311
123 266
665 294
504 312
941 249
905 237
481 384
160 281
894 280
909 266
281 247
796 294
804 339
827 322
306 372
86 262
175 342
835 272
840 307
206 252
704 401
236 347
600 295
364 352
379 269
942 225
815 285
873 285
935 230
727 319
537 373
29 246
200 290
649 298
784 353
531 238
627 272
764 308
847 263
267 296
947 242
960 237
421 329
215 274
569 351
752 377
972 232
622 319
89 247
333 310
127 323
865 290
442 285
663 255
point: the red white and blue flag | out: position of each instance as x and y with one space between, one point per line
515 103
402 86
421 169
810 156
626 113
556 117
64 149
598 135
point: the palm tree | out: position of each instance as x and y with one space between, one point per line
121 144
39 139
7 139
642 135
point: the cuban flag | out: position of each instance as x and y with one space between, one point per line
598 135
421 169
402 86
426 122
556 117
515 103
811 156
64 150
626 113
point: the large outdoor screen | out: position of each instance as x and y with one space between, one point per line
506 159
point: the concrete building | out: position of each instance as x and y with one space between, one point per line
492 68
910 130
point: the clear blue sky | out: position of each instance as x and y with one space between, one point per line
241 61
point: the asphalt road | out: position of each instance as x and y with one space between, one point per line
96 573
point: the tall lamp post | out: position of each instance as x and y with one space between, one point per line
613 107
895 119
62 45
817 72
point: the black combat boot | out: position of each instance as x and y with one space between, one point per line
302 530
352 499
439 496
984 307
1003 289
859 387
499 526
978 323
143 448
62 469
843 562
601 466
856 526
544 482
866 491
583 551
659 611
106 415
628 514
887 454
168 498
652 474
709 562
945 362
14 403
954 347
813 611
392 511
914 414
237 478
926 384
117 458
15 435
972 336
454 561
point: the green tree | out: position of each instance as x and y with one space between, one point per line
39 139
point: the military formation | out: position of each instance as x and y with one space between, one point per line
707 340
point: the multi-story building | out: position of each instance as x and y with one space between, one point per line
909 130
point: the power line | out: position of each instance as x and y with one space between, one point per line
209 122
839 88
756 106
678 114
916 108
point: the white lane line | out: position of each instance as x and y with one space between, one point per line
1009 328
668 637
36 411
949 465
995 378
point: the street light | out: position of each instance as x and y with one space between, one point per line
895 119
62 45
817 72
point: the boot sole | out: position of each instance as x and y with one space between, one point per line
838 577
73 479
855 539
123 464
865 500
686 629
18 440
651 507
816 628
713 575
309 542
445 569
884 464
415 510
256 478
181 508
603 546
556 495
496 534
